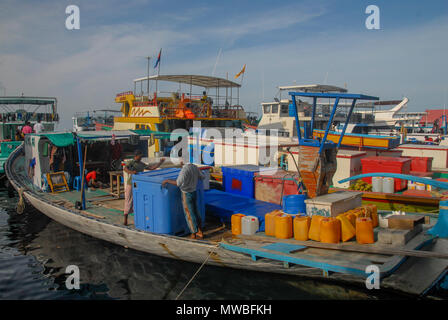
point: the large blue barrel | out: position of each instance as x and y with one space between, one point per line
295 203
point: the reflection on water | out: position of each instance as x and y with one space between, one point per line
34 252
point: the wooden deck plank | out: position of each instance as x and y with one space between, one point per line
416 275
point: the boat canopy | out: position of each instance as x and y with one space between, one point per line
60 139
313 88
28 100
195 80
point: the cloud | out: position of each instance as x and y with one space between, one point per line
85 69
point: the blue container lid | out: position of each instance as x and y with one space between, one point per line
244 169
157 176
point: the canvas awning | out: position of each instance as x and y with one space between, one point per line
195 80
64 139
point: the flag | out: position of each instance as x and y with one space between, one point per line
241 72
158 59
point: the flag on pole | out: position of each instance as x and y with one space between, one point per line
158 59
241 72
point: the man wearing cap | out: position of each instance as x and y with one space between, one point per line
132 167
187 181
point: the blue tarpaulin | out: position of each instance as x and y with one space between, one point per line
224 205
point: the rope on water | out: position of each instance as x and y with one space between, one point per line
20 208
196 273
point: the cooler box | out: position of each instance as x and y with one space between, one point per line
239 179
421 164
387 164
272 187
332 204
158 209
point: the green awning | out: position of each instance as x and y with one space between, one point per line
159 134
61 139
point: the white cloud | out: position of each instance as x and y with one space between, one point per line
86 68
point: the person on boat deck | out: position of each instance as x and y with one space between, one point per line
27 128
92 179
204 96
187 182
38 127
132 167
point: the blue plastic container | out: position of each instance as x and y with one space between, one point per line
239 179
158 209
293 204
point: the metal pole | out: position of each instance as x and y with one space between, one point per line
313 115
147 80
329 125
296 115
346 123
81 166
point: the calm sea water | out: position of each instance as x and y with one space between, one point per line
35 251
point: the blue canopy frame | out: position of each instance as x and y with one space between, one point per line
308 129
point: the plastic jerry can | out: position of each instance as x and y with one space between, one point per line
347 227
269 222
330 230
283 227
236 223
314 233
372 212
301 228
249 225
351 217
364 231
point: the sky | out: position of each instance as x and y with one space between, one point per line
281 42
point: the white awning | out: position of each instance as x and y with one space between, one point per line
313 88
195 80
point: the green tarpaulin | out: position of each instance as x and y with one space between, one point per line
61 139
159 134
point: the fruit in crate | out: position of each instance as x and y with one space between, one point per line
361 185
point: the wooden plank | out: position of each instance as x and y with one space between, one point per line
354 248
417 276
406 222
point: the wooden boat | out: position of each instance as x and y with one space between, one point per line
345 263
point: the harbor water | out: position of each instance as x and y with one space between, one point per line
35 252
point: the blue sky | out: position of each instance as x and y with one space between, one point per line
282 42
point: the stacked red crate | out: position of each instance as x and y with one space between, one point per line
389 165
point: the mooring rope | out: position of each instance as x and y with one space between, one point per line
20 208
197 271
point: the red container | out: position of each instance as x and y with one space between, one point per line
421 164
269 187
387 164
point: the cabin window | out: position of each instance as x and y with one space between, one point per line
267 108
284 109
275 108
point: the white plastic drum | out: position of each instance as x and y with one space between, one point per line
249 225
377 184
388 185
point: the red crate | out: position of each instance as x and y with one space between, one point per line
387 164
269 187
421 164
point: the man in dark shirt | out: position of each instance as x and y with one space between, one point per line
132 167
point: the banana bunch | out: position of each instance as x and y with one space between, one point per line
360 185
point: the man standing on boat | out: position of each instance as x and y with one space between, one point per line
187 181
132 167
38 127
27 128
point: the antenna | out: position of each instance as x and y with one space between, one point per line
326 78
147 88
216 62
